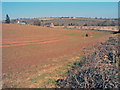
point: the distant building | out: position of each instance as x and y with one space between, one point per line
20 22
74 17
51 25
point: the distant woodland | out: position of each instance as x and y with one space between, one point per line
68 21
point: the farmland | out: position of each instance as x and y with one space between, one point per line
34 55
69 21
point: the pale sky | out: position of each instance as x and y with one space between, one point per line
60 0
109 10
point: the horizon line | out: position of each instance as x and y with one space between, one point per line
65 17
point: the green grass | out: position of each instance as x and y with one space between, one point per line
6 44
48 78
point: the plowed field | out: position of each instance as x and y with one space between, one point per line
34 48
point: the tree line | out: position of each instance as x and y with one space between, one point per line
38 22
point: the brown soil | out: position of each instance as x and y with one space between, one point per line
25 46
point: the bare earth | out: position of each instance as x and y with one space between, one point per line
26 46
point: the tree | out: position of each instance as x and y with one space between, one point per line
36 22
7 19
85 24
119 24
96 18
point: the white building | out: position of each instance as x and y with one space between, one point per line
20 22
